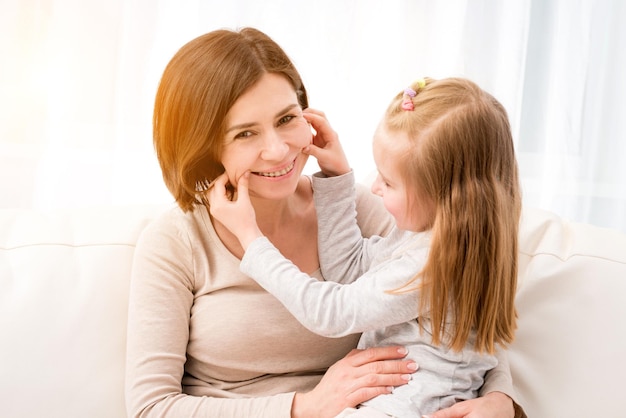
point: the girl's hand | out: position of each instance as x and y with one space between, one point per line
237 214
491 405
326 147
358 377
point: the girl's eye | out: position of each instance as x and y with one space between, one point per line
285 119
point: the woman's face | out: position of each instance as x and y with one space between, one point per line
265 134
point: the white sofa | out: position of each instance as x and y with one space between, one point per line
63 294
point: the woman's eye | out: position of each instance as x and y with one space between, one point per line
243 135
285 119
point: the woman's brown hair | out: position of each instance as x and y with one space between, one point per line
198 87
462 157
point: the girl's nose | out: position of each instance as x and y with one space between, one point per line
376 186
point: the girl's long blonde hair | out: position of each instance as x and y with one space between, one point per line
462 157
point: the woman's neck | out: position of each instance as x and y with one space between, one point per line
273 216
290 224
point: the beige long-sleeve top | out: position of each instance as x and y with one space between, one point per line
204 340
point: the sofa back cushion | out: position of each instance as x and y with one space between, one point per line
64 279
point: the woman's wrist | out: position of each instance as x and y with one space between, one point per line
504 399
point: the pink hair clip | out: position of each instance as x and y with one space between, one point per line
407 98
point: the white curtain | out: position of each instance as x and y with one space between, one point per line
78 78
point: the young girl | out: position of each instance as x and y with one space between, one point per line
443 282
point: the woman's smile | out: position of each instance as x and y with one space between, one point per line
277 173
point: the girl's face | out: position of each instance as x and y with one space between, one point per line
416 215
265 134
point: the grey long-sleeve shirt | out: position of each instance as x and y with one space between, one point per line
363 270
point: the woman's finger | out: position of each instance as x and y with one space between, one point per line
375 354
457 410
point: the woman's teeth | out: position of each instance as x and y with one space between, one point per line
277 173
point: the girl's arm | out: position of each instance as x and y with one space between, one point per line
344 253
332 309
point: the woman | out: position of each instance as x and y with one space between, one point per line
203 339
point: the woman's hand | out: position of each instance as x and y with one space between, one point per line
326 147
491 405
237 214
358 377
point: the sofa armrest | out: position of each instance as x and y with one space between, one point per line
567 356
64 278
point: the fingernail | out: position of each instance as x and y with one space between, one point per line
389 389
406 377
403 350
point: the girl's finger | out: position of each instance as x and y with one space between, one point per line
321 126
313 111
315 119
242 187
313 150
222 179
218 188
319 122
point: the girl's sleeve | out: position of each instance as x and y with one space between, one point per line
332 309
343 251
371 215
161 296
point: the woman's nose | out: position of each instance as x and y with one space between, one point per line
274 147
